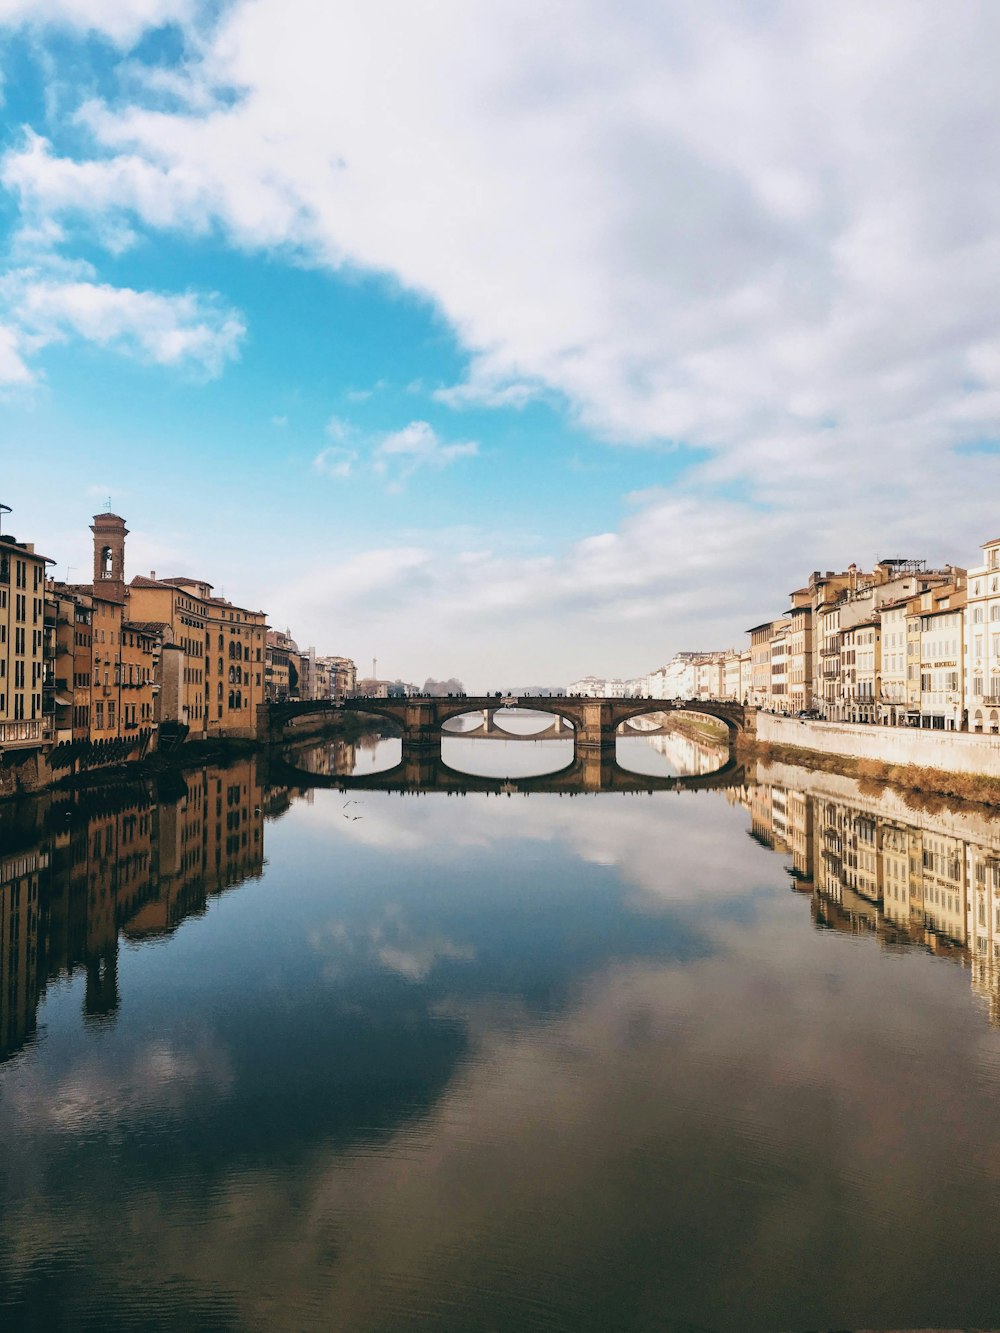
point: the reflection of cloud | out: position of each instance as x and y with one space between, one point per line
390 941
160 1076
718 1140
654 843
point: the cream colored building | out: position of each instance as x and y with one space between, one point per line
892 703
941 619
731 675
981 667
860 666
800 651
746 675
760 663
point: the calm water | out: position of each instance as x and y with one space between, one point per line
278 1058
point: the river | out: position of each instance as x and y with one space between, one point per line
280 1055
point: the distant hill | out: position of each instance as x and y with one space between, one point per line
539 689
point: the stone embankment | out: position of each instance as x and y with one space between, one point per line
950 751
944 762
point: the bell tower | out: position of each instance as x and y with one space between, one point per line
109 556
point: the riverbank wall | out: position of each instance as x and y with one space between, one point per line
946 751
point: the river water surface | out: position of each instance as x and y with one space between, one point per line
291 1057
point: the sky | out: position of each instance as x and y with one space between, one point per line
508 341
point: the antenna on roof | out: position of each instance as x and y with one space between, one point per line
4 509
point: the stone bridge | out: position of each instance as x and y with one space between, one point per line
594 722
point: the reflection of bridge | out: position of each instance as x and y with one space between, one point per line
594 722
422 769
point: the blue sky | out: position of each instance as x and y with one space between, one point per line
488 342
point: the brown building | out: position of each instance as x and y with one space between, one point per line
222 676
281 672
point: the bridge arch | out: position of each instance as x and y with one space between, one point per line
731 715
451 708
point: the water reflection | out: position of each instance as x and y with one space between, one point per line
98 869
489 757
348 758
672 754
466 1063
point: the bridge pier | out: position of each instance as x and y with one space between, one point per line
596 728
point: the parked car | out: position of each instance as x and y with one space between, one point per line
808 712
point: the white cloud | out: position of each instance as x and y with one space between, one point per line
766 231
395 456
188 331
122 21
336 462
419 445
13 368
706 224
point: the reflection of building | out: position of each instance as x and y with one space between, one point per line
19 882
332 757
89 876
875 866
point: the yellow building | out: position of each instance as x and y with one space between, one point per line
23 722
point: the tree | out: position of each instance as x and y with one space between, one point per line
439 688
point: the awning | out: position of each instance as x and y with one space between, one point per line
65 699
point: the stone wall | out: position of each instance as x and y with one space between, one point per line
954 752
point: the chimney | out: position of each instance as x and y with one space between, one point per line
152 573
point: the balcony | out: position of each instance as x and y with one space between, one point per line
991 700
29 731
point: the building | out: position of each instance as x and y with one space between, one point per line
281 670
222 676
940 615
589 687
779 695
892 697
981 667
799 647
731 675
760 663
343 677
23 721
860 670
